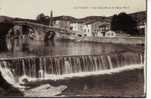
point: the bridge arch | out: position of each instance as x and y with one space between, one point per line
22 33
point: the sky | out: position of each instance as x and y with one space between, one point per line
76 8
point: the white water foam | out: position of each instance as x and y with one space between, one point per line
9 77
85 74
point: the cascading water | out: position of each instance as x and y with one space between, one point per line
40 68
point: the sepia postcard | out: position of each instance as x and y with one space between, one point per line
73 48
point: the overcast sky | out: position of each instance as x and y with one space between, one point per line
75 8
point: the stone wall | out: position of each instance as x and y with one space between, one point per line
121 40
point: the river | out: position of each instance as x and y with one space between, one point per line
57 48
82 62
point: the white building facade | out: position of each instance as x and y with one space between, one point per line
87 30
90 29
62 24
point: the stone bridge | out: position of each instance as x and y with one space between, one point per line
23 30
43 29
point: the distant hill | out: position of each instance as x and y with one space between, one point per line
82 20
7 22
6 19
139 16
22 19
65 18
94 18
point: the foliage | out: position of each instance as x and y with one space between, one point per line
124 22
43 19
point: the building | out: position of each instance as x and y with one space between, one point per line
104 27
141 26
90 29
110 34
140 18
76 26
63 24
82 29
116 34
87 30
96 28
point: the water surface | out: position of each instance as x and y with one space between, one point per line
57 48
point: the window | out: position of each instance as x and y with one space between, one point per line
85 34
71 28
79 35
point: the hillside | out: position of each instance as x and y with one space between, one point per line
6 19
65 18
95 18
139 16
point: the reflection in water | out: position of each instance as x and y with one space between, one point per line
26 47
49 36
49 43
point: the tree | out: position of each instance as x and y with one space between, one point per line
114 25
40 17
4 28
125 23
43 19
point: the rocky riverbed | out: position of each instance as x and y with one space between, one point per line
125 84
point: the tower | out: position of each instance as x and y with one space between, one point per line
51 18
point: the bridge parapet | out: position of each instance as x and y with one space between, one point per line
44 27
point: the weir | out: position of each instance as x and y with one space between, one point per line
51 67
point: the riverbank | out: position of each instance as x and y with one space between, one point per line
114 40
